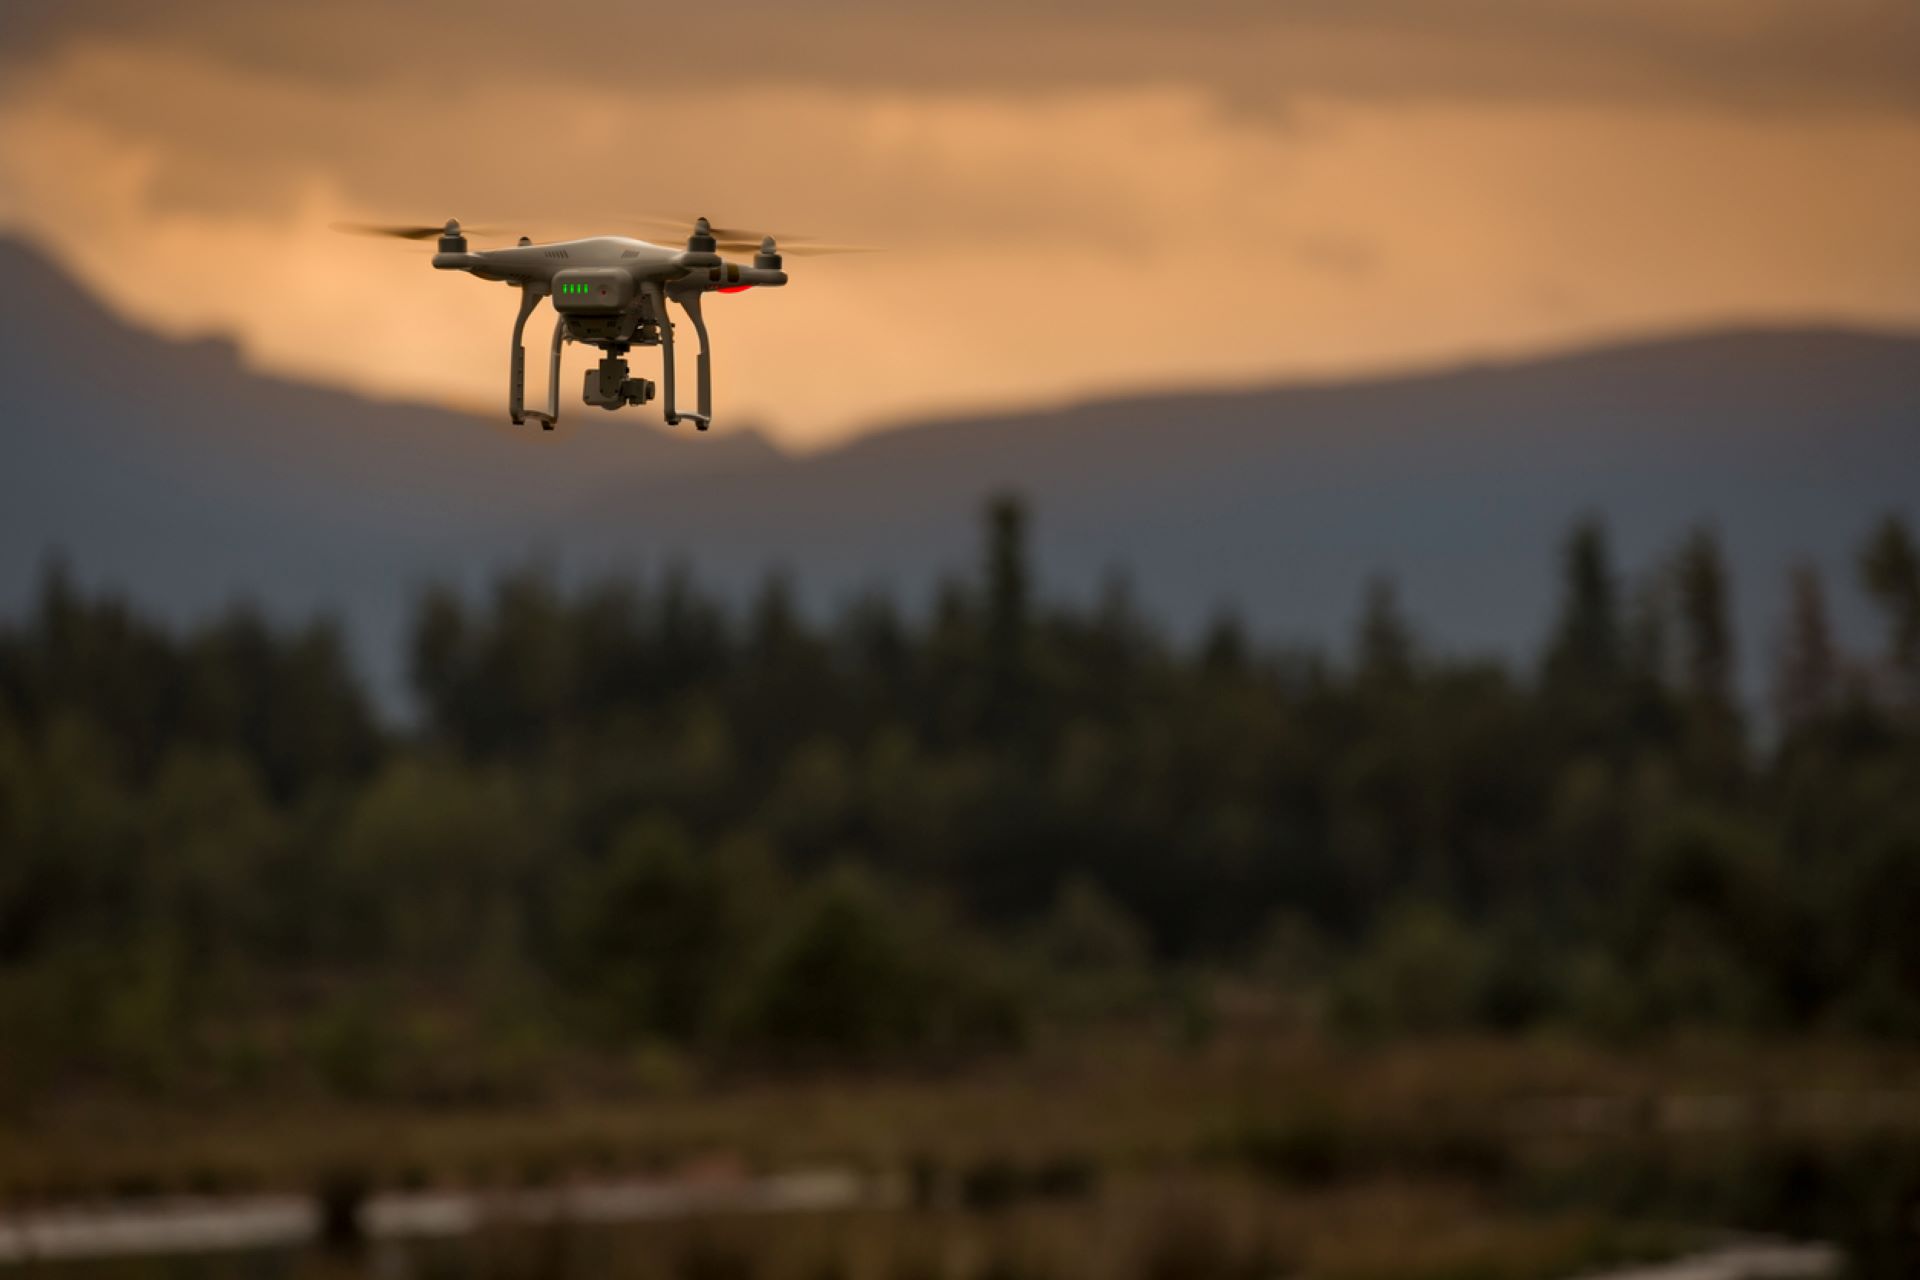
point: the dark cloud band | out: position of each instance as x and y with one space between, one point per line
1259 53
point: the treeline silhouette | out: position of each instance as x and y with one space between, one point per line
634 825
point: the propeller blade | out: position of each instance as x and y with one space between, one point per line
745 240
392 231
685 225
824 250
741 233
802 248
407 231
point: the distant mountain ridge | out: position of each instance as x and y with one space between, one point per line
172 470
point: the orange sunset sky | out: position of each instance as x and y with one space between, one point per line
1076 198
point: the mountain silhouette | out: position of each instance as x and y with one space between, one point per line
170 469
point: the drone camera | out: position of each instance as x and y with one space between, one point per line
609 387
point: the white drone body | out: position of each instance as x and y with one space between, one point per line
611 292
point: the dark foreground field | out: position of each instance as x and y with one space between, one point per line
1249 1153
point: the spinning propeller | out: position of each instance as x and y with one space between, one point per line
725 239
744 240
411 231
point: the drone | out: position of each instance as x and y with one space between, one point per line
612 292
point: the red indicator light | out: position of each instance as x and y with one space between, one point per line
735 288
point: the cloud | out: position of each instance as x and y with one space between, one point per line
1075 204
1256 54
1043 247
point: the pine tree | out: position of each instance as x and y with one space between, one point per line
1807 672
1890 570
1224 650
1009 606
1384 646
1586 645
1700 579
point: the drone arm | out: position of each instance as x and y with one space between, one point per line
530 296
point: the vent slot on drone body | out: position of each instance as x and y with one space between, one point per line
556 253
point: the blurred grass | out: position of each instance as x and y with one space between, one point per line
1125 1155
1121 1099
1165 1226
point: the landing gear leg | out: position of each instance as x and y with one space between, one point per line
530 296
703 417
703 378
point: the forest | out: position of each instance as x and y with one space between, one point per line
629 827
